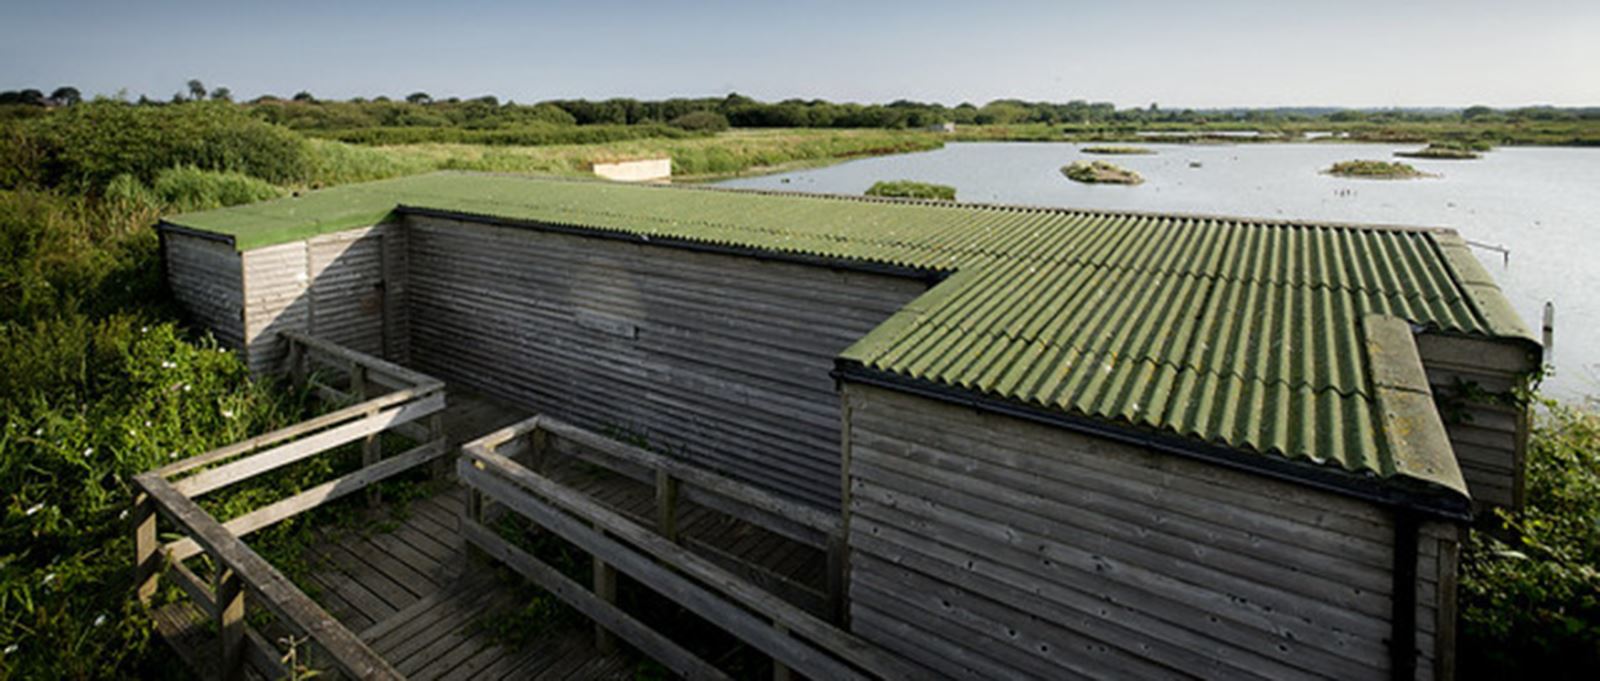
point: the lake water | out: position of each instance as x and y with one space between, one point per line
1540 203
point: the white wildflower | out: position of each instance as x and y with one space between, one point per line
168 365
172 455
48 579
34 509
144 329
11 649
186 387
99 620
123 515
147 424
88 450
227 413
38 431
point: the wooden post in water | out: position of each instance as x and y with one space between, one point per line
1549 335
605 586
146 550
230 624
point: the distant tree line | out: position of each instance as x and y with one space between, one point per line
419 109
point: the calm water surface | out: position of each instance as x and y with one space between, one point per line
1543 204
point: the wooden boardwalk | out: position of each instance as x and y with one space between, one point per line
406 583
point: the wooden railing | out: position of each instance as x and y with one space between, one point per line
386 397
654 556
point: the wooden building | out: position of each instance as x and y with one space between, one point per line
1057 443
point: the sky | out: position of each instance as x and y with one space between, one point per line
1352 53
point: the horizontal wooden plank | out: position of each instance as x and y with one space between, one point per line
342 486
270 587
719 606
283 455
647 640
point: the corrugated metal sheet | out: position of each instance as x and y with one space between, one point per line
1245 333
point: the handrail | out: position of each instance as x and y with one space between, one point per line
795 638
392 398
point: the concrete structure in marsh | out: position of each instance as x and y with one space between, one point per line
1050 442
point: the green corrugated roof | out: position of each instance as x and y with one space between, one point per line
1239 332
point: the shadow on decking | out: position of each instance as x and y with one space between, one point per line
405 582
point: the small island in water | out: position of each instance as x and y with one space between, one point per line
1446 151
1380 170
1100 172
1117 150
908 189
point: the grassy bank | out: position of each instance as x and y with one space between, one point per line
727 154
908 189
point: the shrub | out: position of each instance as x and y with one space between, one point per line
83 148
188 188
530 134
907 189
1100 172
705 121
1530 608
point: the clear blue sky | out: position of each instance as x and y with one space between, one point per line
1195 54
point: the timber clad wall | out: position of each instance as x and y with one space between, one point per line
721 359
347 287
990 547
204 275
1488 436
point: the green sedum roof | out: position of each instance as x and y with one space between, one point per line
1248 334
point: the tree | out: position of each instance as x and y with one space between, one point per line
222 94
1477 111
197 89
419 98
303 96
66 95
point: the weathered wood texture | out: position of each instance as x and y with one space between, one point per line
1473 382
206 278
347 287
722 359
985 546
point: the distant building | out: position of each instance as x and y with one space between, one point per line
641 170
946 127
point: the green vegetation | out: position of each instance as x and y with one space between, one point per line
1530 605
1100 172
705 121
1374 169
1117 150
908 189
1444 150
535 134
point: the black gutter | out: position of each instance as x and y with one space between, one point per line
1422 502
1403 616
925 275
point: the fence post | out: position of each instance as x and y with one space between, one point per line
667 505
146 550
372 445
605 586
297 363
230 623
838 569
780 671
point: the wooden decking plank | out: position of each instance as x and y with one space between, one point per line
378 634
474 667
432 522
535 662
402 563
368 603
446 622
402 640
393 595
421 534
337 605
